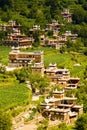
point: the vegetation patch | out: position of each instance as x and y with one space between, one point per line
14 95
4 51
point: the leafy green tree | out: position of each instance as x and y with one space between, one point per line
54 6
38 82
62 49
5 121
50 33
81 95
81 1
74 46
62 126
36 35
40 18
43 125
6 2
47 14
85 5
2 36
78 15
2 69
22 74
81 123
71 93
85 73
43 84
33 12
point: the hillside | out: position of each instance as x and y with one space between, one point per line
18 88
41 12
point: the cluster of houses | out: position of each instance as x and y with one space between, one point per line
16 38
61 77
60 107
35 60
57 107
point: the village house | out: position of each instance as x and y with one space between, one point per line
36 27
51 43
42 37
30 59
61 77
55 43
61 41
72 83
67 15
56 75
11 24
15 38
58 41
68 34
61 108
42 40
33 29
54 26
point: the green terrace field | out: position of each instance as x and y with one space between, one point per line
13 95
4 51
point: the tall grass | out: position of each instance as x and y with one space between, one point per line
13 95
4 57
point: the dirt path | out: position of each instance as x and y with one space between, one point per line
27 127
31 126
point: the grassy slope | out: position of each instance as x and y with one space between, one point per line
69 127
13 95
4 51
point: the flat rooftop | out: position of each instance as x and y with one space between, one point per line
27 53
59 110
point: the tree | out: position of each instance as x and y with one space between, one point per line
43 84
81 95
5 121
4 3
2 69
43 125
62 49
47 13
36 35
85 72
81 123
85 5
33 12
22 74
50 33
38 82
40 18
62 126
74 46
81 1
78 15
2 36
85 52
54 7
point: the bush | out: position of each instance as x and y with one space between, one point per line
81 123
